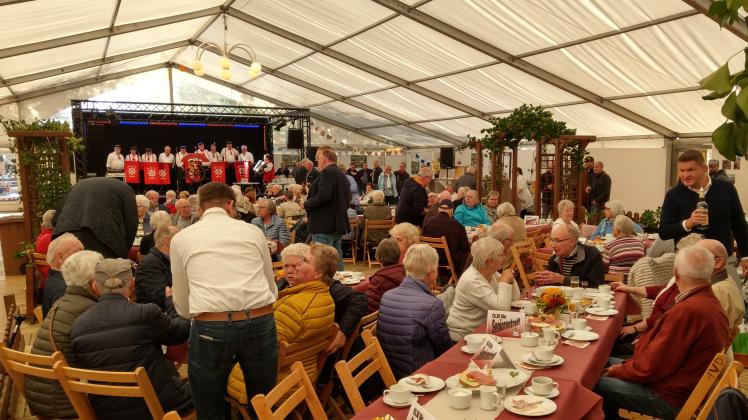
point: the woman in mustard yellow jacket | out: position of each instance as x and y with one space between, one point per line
303 311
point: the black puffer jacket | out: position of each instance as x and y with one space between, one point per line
151 278
45 397
120 336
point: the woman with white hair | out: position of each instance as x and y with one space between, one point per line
47 398
158 219
377 210
565 213
412 324
273 227
171 201
144 219
116 334
622 252
613 208
405 234
506 213
481 289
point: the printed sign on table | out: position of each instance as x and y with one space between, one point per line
492 354
505 323
417 412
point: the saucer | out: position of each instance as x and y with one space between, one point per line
530 360
555 393
579 335
520 303
484 337
602 312
436 384
547 406
466 350
388 400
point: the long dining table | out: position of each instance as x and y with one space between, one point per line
576 377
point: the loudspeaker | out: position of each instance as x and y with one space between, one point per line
311 153
295 139
447 157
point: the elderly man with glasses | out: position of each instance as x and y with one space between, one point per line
571 258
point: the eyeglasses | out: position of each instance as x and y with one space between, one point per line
558 241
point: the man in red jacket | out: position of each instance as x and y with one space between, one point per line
670 357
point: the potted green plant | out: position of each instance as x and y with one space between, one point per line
650 220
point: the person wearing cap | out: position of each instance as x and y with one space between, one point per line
222 279
133 156
148 156
229 153
118 335
202 151
443 224
115 162
180 155
715 172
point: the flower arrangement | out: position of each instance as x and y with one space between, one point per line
552 301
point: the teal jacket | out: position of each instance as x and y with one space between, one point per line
472 216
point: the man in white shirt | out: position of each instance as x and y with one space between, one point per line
133 156
213 154
167 156
178 164
148 156
246 156
223 280
115 162
202 151
230 155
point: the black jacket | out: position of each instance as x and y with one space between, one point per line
311 176
588 266
102 213
600 189
117 335
413 199
445 225
299 175
375 175
151 278
53 290
400 178
327 202
726 217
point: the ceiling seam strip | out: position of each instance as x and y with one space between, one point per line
354 62
102 33
117 5
81 83
91 63
739 29
225 6
524 66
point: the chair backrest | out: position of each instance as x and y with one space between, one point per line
38 260
172 415
611 277
18 364
367 322
729 379
373 354
520 250
376 225
79 383
298 389
305 350
440 243
706 383
540 260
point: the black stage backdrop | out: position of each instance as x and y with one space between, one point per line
100 140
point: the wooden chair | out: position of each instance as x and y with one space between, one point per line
440 243
18 365
299 389
79 383
521 250
374 225
611 277
36 262
38 314
540 260
729 379
353 241
537 237
373 354
700 392
172 415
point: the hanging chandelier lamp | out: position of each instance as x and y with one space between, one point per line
197 65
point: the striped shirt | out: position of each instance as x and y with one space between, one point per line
621 253
276 230
567 262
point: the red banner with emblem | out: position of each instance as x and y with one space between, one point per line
218 171
241 169
164 173
132 172
150 173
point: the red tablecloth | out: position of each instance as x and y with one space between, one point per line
576 377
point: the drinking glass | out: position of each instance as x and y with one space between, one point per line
501 390
574 281
583 284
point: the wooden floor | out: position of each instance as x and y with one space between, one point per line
16 284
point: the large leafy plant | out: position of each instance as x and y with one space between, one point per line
730 138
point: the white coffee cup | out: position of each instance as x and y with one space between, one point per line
550 334
357 276
474 342
530 308
543 354
579 324
489 398
604 288
577 293
543 385
398 393
460 399
603 302
529 339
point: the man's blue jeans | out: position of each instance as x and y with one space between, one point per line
334 241
617 394
214 349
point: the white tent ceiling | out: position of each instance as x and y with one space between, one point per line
419 73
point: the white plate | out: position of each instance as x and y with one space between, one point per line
350 282
520 303
544 409
530 360
435 384
578 335
484 337
555 393
602 312
593 295
465 350
501 375
388 400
